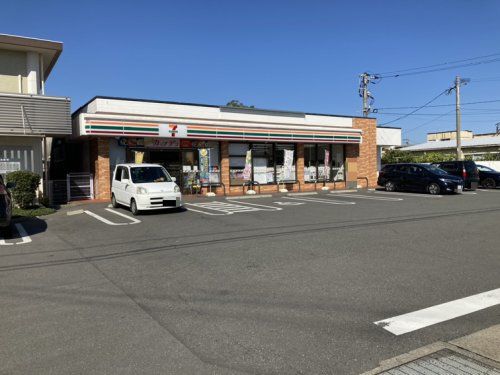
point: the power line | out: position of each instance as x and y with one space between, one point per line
439 69
441 64
430 121
417 109
440 105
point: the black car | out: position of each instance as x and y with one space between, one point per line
5 205
418 177
466 169
488 177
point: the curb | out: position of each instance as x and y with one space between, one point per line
344 191
306 193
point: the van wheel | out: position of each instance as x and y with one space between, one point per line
434 189
133 208
489 183
390 186
114 203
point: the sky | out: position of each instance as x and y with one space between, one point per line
288 55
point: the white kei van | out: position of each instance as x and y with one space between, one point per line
144 187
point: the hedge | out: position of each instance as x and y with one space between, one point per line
25 186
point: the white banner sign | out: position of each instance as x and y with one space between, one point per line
287 165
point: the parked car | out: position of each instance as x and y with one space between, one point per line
466 169
418 177
144 187
5 205
488 177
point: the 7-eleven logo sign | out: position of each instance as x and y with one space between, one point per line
173 131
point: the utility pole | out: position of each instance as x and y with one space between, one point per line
365 80
460 155
364 88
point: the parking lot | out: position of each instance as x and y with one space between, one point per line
282 284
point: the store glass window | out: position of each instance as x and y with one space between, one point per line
280 158
338 169
263 163
310 163
324 162
208 162
237 155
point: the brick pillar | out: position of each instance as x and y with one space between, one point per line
367 160
300 163
99 153
224 164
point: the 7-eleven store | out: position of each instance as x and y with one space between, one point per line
225 149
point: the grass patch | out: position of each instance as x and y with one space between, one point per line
32 211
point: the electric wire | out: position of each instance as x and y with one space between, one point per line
417 109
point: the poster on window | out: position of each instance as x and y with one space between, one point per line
326 171
287 165
247 172
204 165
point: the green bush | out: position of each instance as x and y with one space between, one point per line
26 183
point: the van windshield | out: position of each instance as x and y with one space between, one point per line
143 175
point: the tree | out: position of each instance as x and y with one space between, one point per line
237 104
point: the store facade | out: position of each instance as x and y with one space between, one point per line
226 149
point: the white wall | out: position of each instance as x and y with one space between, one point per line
492 164
388 137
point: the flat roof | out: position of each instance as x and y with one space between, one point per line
221 107
451 144
50 50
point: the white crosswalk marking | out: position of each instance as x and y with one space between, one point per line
413 321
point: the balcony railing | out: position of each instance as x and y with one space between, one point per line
22 114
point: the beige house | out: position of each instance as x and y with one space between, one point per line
28 118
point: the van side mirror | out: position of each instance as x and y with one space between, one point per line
174 179
10 185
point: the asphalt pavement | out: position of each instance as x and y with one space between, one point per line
288 284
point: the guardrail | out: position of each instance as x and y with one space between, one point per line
364 178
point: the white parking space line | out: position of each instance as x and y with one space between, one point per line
206 213
423 195
413 321
104 220
25 238
468 193
290 203
321 200
226 208
357 196
24 235
132 219
267 208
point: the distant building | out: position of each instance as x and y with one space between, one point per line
28 118
387 139
474 145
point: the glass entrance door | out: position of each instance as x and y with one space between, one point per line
170 159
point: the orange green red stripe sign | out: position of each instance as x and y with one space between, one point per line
129 128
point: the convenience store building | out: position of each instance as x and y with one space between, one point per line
224 149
